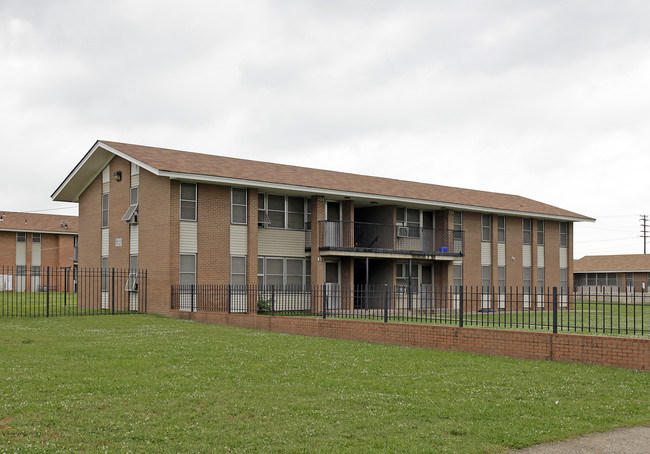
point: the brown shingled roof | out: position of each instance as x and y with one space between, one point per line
34 222
603 263
219 166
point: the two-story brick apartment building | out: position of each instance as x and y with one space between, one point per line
193 218
32 242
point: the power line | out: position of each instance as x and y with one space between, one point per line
644 230
45 209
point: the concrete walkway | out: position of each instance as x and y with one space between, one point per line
628 440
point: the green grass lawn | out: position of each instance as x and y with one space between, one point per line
145 383
33 304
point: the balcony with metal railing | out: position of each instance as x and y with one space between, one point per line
359 238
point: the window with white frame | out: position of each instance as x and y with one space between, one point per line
597 279
540 280
564 234
237 270
105 200
486 227
104 269
501 275
458 225
629 280
402 275
36 237
131 215
132 281
21 237
526 230
501 229
540 232
283 271
296 213
283 212
188 202
409 218
527 279
486 277
564 280
187 270
238 205
308 214
458 276
276 210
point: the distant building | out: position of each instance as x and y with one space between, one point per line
629 272
30 242
193 219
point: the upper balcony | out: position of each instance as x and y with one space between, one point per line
361 238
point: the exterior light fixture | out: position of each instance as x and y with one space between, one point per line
117 175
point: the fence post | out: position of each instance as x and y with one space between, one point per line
113 291
65 287
145 292
192 298
555 310
273 299
385 303
324 301
47 292
461 308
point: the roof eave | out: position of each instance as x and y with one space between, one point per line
378 197
91 165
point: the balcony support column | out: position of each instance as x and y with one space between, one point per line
317 265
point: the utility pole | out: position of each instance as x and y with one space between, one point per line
644 229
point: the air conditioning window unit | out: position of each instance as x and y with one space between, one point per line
132 282
131 215
402 232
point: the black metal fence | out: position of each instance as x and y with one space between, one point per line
32 292
550 309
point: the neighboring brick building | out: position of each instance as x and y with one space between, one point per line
201 219
30 243
628 272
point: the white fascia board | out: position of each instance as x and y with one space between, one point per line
361 195
130 158
611 271
85 160
54 232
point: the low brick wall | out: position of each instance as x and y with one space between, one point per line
588 349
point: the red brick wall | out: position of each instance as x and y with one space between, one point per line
90 225
213 217
514 242
472 249
552 253
65 251
158 240
8 249
601 350
118 256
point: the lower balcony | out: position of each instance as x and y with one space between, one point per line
361 238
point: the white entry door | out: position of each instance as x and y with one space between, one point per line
333 225
332 285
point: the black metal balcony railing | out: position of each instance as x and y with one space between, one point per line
369 237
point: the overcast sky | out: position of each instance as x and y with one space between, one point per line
545 99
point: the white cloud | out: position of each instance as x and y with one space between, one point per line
543 99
